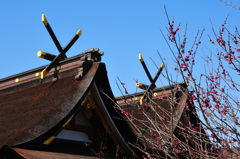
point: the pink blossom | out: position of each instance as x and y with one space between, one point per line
208 114
176 150
223 42
225 132
194 129
214 92
224 73
187 58
194 98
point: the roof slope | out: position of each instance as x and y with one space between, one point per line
29 113
34 110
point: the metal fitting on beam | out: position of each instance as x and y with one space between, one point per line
46 56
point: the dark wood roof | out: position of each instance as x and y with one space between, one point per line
32 110
29 113
161 103
32 77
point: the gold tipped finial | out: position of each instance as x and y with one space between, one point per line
102 53
141 100
97 49
182 83
44 20
140 58
41 54
79 33
138 85
44 73
162 65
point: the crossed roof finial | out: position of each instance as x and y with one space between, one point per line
62 52
150 87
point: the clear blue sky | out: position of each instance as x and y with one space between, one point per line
122 29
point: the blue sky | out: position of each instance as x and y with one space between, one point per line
122 29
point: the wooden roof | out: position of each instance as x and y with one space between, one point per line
31 112
154 116
32 109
